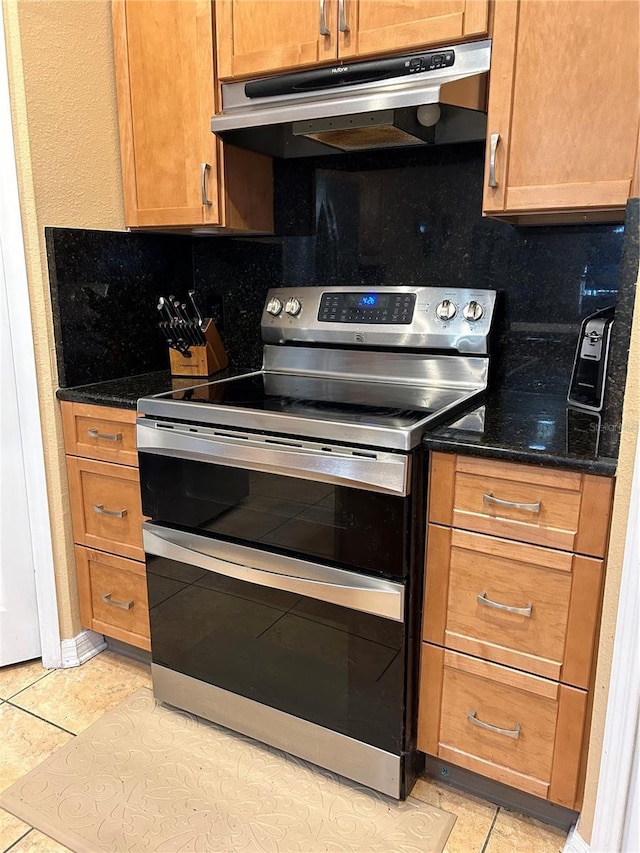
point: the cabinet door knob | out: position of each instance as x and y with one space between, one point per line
495 138
117 513
204 168
481 598
344 27
323 20
488 498
514 733
93 433
123 605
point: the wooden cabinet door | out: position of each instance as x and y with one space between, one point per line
165 82
563 98
384 26
262 36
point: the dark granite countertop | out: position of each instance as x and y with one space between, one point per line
124 393
531 428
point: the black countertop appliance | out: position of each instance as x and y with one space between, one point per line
588 378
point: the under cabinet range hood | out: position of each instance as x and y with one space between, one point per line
431 97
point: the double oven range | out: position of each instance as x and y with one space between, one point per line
285 545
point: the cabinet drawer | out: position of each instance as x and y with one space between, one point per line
519 729
113 596
512 603
100 432
560 509
105 506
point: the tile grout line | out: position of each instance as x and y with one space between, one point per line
493 823
18 840
38 717
22 689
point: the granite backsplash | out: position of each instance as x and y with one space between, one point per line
375 219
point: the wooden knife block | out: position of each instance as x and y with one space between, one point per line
204 360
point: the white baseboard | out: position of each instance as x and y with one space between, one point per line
575 843
81 648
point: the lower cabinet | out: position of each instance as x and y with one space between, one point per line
106 517
113 596
510 625
511 726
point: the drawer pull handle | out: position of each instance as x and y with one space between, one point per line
488 498
493 148
117 513
343 26
486 602
123 605
323 20
93 433
204 168
514 733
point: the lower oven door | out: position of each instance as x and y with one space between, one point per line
349 507
305 657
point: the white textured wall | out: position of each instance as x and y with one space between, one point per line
65 127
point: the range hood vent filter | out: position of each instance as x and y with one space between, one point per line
384 129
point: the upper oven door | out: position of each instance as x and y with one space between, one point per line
345 506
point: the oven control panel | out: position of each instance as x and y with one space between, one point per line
445 318
374 307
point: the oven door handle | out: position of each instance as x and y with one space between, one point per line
384 472
326 583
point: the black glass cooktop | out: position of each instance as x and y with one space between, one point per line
396 406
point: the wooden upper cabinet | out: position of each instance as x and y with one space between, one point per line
385 26
265 36
174 170
564 98
164 68
262 36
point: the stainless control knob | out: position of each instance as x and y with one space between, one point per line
293 307
446 310
473 311
274 306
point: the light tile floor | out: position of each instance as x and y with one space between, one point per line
41 709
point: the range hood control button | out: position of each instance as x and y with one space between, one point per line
293 307
473 311
274 306
446 310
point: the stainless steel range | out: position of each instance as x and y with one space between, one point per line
286 541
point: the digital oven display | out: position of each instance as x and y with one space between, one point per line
373 307
368 301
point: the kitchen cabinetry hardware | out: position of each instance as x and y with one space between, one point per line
488 498
344 27
495 138
93 433
204 168
541 669
323 20
514 733
112 587
123 605
487 602
116 513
